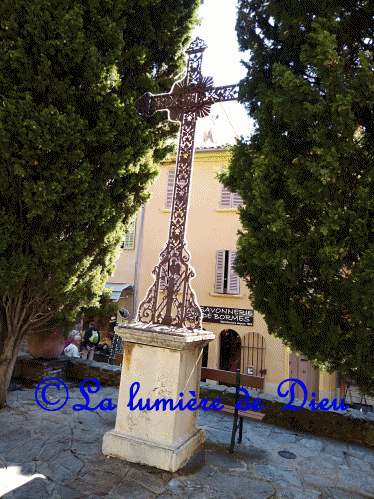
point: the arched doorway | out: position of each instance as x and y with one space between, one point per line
253 355
229 350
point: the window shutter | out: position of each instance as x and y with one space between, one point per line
170 188
129 239
220 269
225 198
233 280
230 199
236 200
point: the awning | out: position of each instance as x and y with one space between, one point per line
117 289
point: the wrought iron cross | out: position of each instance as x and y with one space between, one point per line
188 100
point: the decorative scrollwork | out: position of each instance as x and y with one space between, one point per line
172 309
145 104
171 300
198 45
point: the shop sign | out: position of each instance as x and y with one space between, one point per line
224 315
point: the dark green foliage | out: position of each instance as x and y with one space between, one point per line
104 308
76 158
306 177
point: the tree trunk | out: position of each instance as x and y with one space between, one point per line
19 315
8 357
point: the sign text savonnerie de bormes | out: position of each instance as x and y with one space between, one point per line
225 315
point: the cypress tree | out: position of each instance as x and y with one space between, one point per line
306 248
76 158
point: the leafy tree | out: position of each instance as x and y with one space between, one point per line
76 158
306 249
104 308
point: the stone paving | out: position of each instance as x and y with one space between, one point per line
57 455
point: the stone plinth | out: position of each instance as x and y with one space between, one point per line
165 361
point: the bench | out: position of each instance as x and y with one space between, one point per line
238 380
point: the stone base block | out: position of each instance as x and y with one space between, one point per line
142 451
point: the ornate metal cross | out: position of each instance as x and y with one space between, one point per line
189 99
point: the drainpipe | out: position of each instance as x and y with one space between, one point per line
338 387
136 273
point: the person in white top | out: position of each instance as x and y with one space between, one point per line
72 350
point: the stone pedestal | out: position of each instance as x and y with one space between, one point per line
165 361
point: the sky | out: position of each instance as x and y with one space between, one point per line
221 60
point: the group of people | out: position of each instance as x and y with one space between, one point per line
91 340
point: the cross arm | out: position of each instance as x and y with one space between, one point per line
221 94
148 103
182 98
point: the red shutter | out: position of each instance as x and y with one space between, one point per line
225 198
233 280
170 188
220 269
236 200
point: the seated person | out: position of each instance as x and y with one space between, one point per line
72 350
70 338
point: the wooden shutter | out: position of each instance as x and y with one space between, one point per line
230 199
225 198
236 200
170 188
233 281
220 269
129 239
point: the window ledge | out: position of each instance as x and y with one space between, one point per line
227 210
225 295
218 210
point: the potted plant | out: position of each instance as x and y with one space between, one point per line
46 344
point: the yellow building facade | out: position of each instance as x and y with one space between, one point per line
213 222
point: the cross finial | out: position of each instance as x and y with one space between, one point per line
198 45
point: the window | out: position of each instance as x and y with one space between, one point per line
170 188
129 239
227 281
229 199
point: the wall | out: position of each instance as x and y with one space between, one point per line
209 229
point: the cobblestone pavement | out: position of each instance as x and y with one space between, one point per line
57 455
